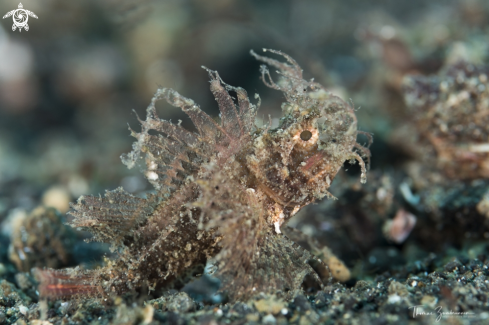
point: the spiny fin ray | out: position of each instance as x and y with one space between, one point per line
112 217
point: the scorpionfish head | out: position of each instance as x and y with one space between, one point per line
295 163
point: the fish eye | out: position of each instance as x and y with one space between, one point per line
306 135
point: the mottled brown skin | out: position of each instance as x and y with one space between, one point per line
451 116
222 193
40 239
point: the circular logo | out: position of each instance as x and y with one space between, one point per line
20 18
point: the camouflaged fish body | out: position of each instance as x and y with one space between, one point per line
222 193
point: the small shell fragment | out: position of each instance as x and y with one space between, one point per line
399 228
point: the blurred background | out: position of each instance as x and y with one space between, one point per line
69 85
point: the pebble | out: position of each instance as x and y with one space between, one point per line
429 301
63 309
269 319
455 266
241 309
181 302
57 197
302 303
270 305
23 310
